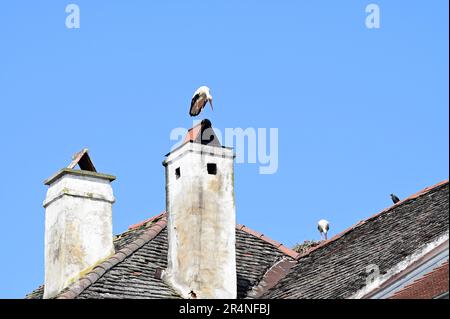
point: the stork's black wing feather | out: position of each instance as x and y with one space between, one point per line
195 107
194 99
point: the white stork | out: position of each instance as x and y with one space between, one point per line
199 100
323 226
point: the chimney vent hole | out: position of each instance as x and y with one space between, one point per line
212 168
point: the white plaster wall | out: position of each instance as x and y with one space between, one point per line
78 229
201 222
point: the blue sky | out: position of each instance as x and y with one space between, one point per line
361 112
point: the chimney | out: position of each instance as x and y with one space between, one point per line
78 222
201 217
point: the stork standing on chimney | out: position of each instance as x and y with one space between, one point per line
199 100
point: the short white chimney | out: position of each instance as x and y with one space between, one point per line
78 223
201 217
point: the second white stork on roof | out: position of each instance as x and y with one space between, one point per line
199 100
323 226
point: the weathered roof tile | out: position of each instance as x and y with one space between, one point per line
265 268
337 267
130 273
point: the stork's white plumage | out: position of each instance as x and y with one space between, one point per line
323 226
199 100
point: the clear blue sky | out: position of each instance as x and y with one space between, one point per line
361 112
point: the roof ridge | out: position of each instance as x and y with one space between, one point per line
285 250
273 275
142 223
420 193
76 288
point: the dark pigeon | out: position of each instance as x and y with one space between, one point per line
395 199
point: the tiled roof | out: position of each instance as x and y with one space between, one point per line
135 275
337 268
255 255
428 258
142 250
265 268
429 286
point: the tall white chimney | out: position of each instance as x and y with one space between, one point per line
78 223
201 217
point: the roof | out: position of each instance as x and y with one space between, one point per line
141 252
429 286
435 256
338 267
